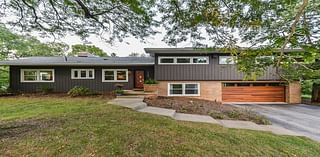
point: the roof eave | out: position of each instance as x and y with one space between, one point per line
81 64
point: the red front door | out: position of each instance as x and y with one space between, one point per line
139 79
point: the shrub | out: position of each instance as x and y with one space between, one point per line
217 114
150 81
119 91
79 91
46 89
3 90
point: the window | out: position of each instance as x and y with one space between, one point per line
200 60
184 60
37 75
226 60
82 73
166 60
183 89
115 75
264 59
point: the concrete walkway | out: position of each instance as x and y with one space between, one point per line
138 105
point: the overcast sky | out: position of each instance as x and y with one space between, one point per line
121 49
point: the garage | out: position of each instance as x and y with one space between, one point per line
253 92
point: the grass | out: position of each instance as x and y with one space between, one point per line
91 127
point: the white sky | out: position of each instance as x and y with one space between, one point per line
122 49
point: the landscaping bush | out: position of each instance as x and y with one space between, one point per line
217 114
79 91
46 89
118 92
150 81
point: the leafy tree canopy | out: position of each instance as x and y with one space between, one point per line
25 45
269 26
87 48
118 18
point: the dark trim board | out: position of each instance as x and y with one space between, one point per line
63 81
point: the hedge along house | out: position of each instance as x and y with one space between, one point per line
180 72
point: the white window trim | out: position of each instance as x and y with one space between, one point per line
79 74
175 60
226 63
184 89
115 75
38 75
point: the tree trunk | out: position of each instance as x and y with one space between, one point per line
315 92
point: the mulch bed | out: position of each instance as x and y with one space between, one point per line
205 107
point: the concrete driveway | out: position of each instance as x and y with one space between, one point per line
303 119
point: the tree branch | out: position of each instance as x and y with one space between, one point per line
293 29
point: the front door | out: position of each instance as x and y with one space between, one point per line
139 79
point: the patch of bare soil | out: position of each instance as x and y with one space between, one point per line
205 107
21 128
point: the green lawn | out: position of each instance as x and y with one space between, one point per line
91 127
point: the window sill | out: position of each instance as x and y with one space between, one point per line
37 81
116 81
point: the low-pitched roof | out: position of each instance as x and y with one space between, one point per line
191 50
80 61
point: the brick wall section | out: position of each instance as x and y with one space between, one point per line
212 90
209 90
294 92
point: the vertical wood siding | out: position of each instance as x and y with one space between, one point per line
64 83
211 71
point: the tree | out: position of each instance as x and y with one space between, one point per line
88 48
270 26
24 46
119 19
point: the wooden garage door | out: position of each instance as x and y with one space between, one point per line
253 94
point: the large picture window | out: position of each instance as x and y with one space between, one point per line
184 60
115 75
37 75
82 73
183 89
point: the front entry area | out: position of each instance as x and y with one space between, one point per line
139 79
253 92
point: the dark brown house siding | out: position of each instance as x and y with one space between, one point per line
64 83
205 72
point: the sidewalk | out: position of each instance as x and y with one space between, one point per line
138 105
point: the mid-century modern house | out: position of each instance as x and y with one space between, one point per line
185 72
